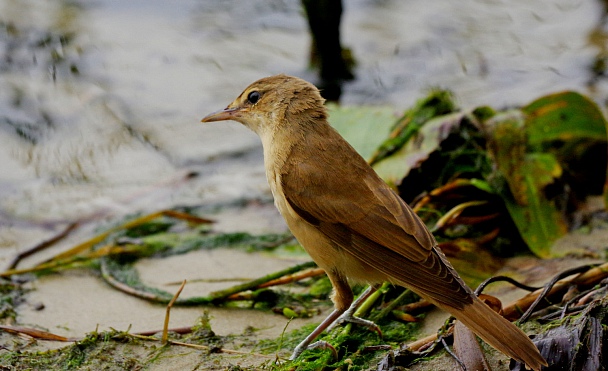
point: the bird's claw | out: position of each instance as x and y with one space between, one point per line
317 344
345 317
348 317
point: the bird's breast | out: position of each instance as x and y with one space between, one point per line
323 250
319 247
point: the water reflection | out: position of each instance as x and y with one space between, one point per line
327 53
100 102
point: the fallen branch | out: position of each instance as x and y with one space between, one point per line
168 312
293 277
36 334
42 245
85 250
590 277
214 297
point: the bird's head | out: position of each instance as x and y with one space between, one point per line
272 102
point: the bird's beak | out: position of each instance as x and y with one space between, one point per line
225 114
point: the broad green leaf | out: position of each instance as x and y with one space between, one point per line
527 174
437 103
507 144
539 222
482 185
365 128
424 142
566 116
563 116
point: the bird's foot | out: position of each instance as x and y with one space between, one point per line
336 317
317 344
349 314
349 317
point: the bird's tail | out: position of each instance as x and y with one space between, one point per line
499 333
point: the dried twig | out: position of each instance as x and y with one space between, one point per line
449 351
79 252
42 245
93 254
449 217
254 284
510 280
128 225
214 297
528 303
168 312
106 274
419 305
36 334
145 335
425 342
294 277
176 330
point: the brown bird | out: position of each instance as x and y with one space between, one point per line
349 220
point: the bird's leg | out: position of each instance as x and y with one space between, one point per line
349 314
306 343
342 298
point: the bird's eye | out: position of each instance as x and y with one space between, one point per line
253 97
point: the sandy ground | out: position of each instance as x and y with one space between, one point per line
90 304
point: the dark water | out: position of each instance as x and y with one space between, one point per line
100 101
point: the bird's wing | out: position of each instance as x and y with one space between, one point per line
370 222
358 199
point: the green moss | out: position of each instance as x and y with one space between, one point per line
351 342
321 287
26 361
11 295
203 334
151 227
97 351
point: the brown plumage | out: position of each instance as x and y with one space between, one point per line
351 222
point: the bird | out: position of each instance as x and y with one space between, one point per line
353 224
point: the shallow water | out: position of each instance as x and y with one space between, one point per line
100 101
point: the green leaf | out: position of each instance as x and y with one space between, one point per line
411 138
365 128
424 142
437 103
482 185
563 116
507 144
539 222
527 174
569 117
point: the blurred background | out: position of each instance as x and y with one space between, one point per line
100 101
